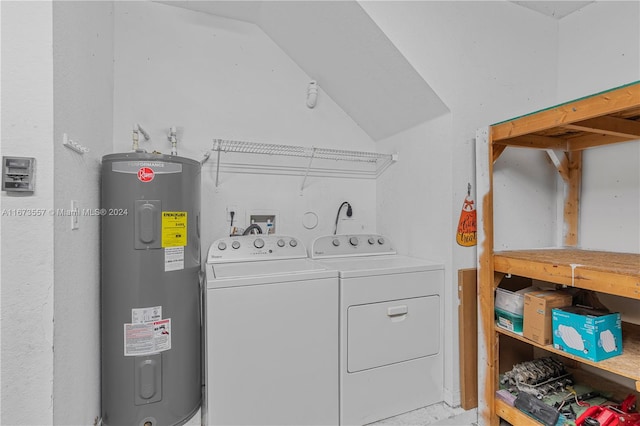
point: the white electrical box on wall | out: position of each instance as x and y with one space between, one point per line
18 174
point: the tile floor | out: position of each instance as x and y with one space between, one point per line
438 414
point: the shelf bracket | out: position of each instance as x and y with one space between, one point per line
306 173
497 151
561 162
217 147
569 166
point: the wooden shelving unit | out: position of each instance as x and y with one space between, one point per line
563 132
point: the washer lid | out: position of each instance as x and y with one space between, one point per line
351 267
265 272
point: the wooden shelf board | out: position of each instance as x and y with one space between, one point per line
606 272
620 102
576 142
625 365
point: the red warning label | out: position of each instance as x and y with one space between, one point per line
147 337
146 174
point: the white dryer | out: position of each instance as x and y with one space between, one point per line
391 325
271 334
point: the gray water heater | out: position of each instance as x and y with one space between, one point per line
150 289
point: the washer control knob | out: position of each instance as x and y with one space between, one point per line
280 243
336 242
222 245
371 240
293 243
235 244
258 243
381 241
354 241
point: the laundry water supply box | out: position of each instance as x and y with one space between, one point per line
537 313
509 306
586 332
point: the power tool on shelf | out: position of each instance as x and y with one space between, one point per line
611 415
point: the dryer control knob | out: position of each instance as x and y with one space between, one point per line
371 240
354 241
381 241
235 244
293 243
258 243
336 242
222 245
280 243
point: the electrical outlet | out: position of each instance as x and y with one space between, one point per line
343 215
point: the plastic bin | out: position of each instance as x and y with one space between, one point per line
509 320
511 301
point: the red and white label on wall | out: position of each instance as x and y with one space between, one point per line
146 174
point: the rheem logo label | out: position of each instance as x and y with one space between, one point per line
145 174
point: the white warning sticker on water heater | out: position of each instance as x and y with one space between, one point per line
147 338
173 258
140 315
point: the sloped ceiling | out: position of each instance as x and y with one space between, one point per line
554 9
339 45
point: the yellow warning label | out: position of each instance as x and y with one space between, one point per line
174 229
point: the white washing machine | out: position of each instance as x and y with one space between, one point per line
391 321
271 334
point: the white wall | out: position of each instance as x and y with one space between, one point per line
219 78
83 108
600 49
414 198
488 61
27 242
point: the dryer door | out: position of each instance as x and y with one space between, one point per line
390 332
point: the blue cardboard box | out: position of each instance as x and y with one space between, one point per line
588 333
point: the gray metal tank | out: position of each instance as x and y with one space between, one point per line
150 289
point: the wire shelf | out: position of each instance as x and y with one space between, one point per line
376 162
299 151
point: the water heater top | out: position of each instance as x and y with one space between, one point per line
148 157
350 245
247 248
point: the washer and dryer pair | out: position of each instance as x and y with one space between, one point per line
350 336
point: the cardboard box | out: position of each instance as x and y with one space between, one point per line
587 333
537 314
